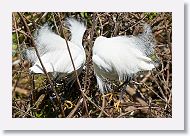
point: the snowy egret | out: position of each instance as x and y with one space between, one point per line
53 51
119 58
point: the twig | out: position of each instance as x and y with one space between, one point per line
136 23
96 105
37 53
83 92
80 87
18 43
33 89
90 52
38 19
101 26
22 111
139 108
168 35
116 29
159 87
156 94
76 107
55 24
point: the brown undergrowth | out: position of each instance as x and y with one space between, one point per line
33 97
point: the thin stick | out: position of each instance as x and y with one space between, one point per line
90 51
139 108
25 112
37 53
18 43
40 18
96 105
168 35
80 87
76 107
103 105
156 94
136 23
55 24
83 94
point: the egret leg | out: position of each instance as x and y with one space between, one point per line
104 101
122 88
121 95
125 83
117 104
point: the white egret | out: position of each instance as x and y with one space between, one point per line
53 51
119 58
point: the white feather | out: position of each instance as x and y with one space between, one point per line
77 30
118 57
53 49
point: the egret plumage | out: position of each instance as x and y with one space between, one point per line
119 58
53 50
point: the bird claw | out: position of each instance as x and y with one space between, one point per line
68 105
110 97
117 105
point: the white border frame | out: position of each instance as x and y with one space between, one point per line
174 123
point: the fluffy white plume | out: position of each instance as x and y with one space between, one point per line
53 50
77 30
120 57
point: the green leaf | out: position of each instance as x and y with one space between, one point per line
14 38
153 57
151 15
82 14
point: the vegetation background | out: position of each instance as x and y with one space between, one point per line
31 97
